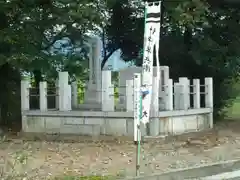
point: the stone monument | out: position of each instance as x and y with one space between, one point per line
94 85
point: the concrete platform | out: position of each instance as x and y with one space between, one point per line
95 123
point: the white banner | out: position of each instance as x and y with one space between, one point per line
151 41
137 113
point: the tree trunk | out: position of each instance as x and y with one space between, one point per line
37 78
10 102
105 59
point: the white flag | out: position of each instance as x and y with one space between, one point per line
151 40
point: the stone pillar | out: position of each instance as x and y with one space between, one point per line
129 95
154 111
57 94
107 92
209 92
188 94
94 86
166 75
69 98
169 95
61 99
91 65
74 94
196 93
177 96
65 98
137 111
43 96
63 91
25 104
155 97
98 71
63 78
185 103
209 97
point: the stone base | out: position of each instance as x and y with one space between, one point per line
90 107
92 94
95 123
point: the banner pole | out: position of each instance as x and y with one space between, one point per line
138 147
152 26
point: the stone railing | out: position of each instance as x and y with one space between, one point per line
181 95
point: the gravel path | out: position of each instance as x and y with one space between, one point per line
117 157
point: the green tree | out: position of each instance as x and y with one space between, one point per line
198 39
27 32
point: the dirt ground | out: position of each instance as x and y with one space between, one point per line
116 156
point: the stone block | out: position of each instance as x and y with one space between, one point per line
73 120
94 121
206 118
154 127
115 126
91 130
24 123
130 127
96 130
164 127
191 123
200 122
34 124
177 125
53 124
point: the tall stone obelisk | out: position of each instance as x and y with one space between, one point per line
94 86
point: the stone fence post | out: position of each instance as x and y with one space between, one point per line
169 95
209 97
164 76
177 95
107 92
74 94
196 93
154 110
185 100
57 94
69 97
64 92
129 95
25 104
43 95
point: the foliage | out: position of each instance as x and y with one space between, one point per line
28 32
124 30
205 33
